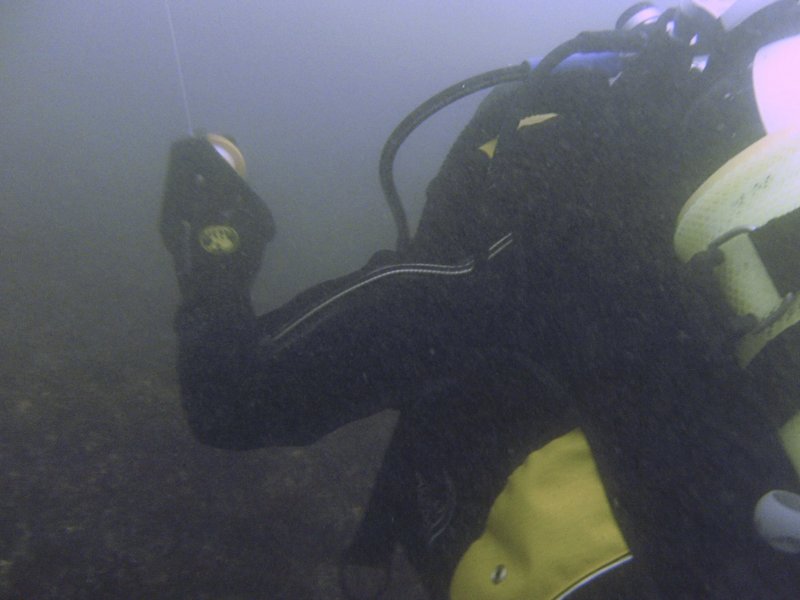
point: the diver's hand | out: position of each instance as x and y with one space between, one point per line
213 224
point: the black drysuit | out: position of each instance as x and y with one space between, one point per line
541 293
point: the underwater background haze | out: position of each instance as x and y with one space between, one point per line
103 492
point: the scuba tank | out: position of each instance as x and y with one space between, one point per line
738 213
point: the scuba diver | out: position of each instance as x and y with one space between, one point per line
590 339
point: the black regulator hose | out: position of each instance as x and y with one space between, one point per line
622 42
412 121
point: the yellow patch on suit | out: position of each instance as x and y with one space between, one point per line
490 147
550 531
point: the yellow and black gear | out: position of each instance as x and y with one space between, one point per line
750 196
550 532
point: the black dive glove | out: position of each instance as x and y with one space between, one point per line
214 225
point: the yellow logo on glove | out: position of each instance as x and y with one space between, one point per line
219 239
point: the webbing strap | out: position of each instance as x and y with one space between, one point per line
778 245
